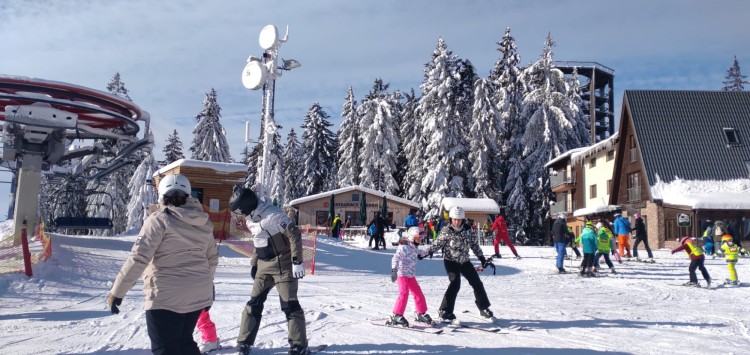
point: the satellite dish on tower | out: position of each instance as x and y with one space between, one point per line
269 37
254 75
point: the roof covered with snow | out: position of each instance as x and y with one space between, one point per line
220 167
681 134
708 194
563 156
594 148
486 205
368 190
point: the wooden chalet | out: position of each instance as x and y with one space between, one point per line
211 182
683 152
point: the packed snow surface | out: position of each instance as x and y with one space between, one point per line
640 310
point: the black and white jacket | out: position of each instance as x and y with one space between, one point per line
456 243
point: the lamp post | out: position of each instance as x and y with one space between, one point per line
262 72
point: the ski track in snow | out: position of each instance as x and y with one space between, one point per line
62 308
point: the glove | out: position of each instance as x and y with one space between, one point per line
298 271
113 302
394 275
253 271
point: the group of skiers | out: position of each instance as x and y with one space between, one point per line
176 255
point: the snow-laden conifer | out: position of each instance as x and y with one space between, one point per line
735 80
483 139
318 147
293 162
142 191
210 138
379 140
349 143
173 150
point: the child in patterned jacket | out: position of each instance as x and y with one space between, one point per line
403 266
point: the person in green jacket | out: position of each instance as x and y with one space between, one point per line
604 237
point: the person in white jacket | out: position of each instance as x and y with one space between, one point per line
175 254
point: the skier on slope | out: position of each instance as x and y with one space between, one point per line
276 262
692 247
501 230
455 240
403 267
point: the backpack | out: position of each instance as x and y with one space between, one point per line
372 229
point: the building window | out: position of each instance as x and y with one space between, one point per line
197 193
731 137
592 191
634 187
321 218
592 163
633 152
609 186
355 197
747 166
610 155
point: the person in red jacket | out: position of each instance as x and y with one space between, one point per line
697 258
501 228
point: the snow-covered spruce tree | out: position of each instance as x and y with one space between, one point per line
318 147
551 131
109 198
509 91
276 164
397 104
412 143
576 110
210 141
483 137
441 121
142 191
293 162
173 150
735 80
348 138
379 140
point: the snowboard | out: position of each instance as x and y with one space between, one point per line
417 327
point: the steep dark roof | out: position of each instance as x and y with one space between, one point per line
681 133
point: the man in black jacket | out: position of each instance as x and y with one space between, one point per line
641 236
559 228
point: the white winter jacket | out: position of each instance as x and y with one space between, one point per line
176 256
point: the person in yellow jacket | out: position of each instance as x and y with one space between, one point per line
731 253
604 238
692 248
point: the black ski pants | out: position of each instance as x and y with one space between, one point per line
645 244
698 264
569 241
171 333
587 263
455 270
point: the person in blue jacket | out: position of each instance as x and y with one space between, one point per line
411 220
622 229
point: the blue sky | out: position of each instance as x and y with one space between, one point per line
171 53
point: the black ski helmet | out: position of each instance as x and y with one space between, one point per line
243 199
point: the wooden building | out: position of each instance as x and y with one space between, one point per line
475 209
683 152
211 182
314 209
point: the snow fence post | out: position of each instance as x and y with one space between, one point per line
26 253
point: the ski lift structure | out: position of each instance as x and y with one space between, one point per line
41 117
73 223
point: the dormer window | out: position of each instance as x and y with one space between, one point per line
731 137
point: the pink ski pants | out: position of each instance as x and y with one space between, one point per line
206 327
405 286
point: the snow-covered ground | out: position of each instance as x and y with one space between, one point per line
61 309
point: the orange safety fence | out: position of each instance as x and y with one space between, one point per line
230 229
11 251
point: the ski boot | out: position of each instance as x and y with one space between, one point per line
243 349
486 313
424 318
708 283
209 346
612 270
691 284
561 271
449 318
298 350
397 319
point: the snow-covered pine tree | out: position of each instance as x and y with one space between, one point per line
399 110
412 143
276 164
210 141
142 191
735 80
509 90
446 150
173 150
318 146
349 143
576 110
293 162
117 87
483 137
379 140
551 130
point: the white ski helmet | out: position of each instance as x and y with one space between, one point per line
457 213
174 182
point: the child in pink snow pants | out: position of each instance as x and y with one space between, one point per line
403 266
